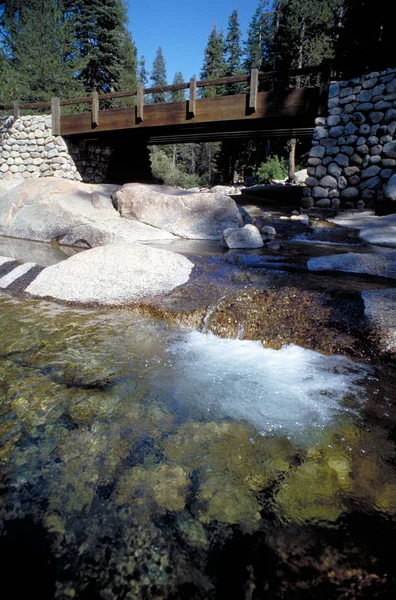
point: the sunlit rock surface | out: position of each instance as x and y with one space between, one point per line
69 212
373 229
186 214
380 309
378 264
115 274
243 237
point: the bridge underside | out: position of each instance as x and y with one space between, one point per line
288 114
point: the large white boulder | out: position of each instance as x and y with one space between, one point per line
112 275
190 215
70 212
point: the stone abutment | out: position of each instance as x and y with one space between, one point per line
352 163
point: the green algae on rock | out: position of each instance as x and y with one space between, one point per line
280 317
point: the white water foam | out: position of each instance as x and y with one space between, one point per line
291 389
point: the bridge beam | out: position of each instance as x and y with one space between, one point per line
294 106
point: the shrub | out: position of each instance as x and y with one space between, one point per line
274 168
164 170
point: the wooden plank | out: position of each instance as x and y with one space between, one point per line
253 91
17 109
95 110
289 73
56 116
222 81
140 104
171 88
27 106
192 103
299 103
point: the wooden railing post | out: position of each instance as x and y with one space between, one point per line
17 110
192 103
95 110
325 78
55 112
140 103
253 89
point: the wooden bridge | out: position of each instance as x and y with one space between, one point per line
289 111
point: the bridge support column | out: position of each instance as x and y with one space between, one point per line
112 159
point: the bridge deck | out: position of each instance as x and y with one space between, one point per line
289 113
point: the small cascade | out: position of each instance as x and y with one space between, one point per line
240 331
205 323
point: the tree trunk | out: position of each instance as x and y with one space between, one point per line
293 142
292 159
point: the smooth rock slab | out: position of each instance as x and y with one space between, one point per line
374 230
69 212
380 310
381 265
113 275
189 215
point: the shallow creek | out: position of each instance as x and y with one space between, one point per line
144 460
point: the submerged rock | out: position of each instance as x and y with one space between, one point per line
165 485
186 214
113 275
279 317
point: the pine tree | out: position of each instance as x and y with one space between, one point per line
142 72
357 22
233 45
307 32
158 76
43 53
259 46
178 95
128 79
100 30
214 62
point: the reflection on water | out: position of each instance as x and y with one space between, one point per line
42 254
139 460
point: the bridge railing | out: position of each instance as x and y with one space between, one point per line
251 81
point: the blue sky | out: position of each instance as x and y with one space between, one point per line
181 28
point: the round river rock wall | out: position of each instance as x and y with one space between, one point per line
28 150
352 163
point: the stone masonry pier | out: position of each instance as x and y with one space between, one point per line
352 163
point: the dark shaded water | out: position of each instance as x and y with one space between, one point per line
142 460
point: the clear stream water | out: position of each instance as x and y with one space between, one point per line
144 460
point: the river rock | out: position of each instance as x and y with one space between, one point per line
186 214
70 213
113 275
374 230
390 190
243 237
222 189
381 265
380 310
